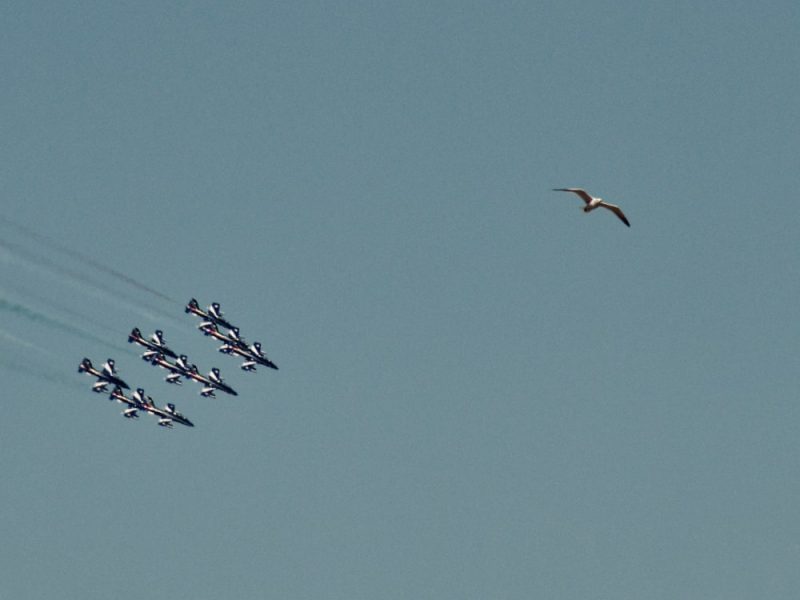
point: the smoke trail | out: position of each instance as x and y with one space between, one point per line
45 371
25 343
37 317
77 277
87 260
59 307
48 374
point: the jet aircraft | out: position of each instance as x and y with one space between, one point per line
213 382
107 375
154 345
212 314
252 356
166 416
182 368
232 339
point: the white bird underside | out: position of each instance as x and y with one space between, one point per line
592 203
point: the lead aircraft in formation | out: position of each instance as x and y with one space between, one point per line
212 314
232 342
158 354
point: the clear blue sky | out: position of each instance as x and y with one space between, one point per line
484 392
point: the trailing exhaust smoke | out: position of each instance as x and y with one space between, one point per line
37 317
88 260
45 370
82 282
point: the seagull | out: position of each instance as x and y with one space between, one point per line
592 203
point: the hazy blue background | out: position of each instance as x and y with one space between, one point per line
484 393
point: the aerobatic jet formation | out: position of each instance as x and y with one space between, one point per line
158 354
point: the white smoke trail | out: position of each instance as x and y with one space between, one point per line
48 374
60 307
86 259
20 342
81 281
45 369
37 317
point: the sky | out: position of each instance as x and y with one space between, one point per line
483 392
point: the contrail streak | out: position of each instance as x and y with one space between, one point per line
46 371
70 313
58 377
87 260
19 341
37 317
76 277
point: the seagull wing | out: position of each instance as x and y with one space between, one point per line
582 193
617 211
